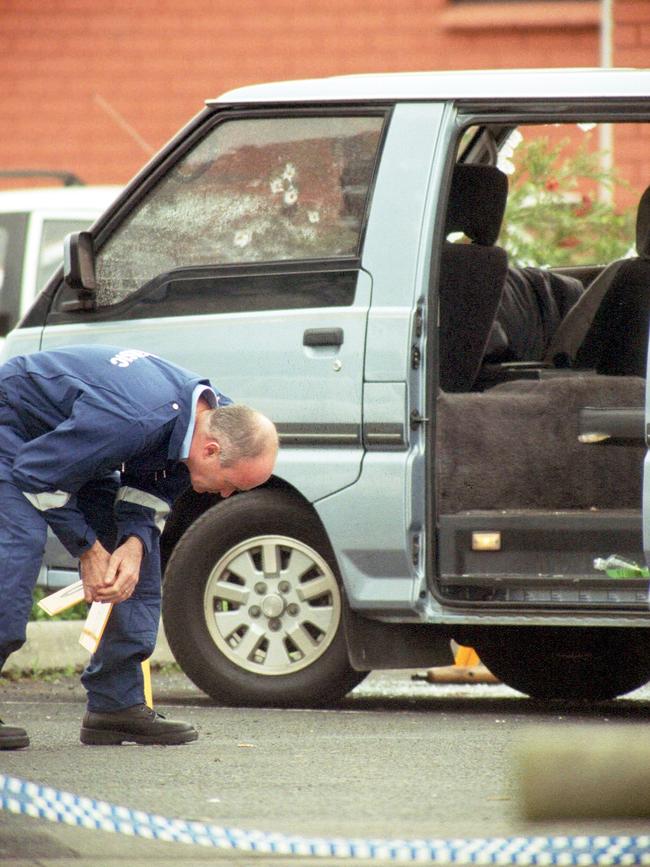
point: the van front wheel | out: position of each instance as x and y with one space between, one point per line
253 607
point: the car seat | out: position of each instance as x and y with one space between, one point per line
472 275
607 328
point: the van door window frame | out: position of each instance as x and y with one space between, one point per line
58 316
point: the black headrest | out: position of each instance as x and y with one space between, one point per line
477 202
643 226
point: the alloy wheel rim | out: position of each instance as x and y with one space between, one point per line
272 605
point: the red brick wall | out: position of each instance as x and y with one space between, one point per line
95 88
632 48
632 33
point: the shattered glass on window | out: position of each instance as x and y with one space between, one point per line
253 190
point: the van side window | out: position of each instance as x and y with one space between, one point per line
13 231
252 190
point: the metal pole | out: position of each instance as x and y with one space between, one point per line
606 33
606 136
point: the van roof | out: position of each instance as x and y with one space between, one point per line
75 198
475 84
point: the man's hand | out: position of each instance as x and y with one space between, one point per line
111 577
94 565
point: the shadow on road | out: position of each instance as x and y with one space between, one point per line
379 693
474 700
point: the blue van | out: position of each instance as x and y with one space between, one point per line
462 427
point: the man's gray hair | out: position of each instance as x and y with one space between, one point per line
243 433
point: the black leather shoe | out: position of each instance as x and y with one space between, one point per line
139 724
12 737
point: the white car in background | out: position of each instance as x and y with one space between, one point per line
33 224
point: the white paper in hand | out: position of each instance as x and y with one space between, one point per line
63 599
93 628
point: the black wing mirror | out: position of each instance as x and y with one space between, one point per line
79 269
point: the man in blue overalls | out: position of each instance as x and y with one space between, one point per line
97 442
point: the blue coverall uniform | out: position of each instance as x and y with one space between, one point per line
90 443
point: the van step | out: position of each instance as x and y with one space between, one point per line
547 591
539 559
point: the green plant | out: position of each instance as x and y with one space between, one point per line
555 215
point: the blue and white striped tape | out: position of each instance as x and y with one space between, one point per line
32 799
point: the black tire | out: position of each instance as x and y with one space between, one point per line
569 663
253 605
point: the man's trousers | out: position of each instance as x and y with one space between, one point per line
113 678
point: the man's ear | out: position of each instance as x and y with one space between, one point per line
212 447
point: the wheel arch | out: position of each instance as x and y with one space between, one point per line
191 505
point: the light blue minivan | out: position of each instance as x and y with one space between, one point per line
462 426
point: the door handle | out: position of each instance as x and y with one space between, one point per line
322 337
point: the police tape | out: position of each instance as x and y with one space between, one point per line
31 799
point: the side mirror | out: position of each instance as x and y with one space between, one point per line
79 269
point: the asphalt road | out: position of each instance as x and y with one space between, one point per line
398 758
